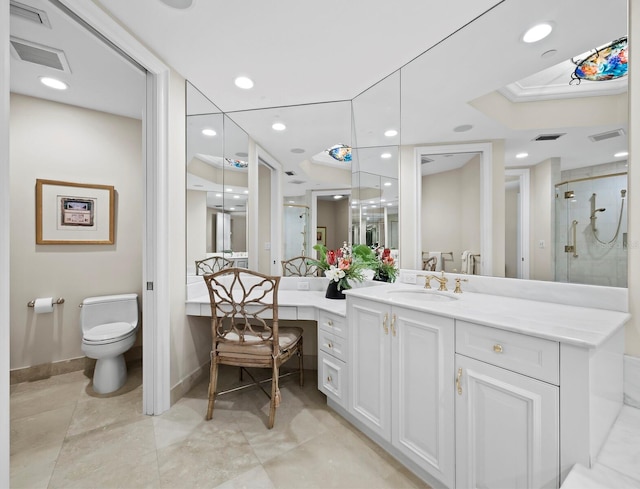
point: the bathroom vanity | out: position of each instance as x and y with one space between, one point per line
475 389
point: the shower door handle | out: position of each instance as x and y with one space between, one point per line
573 248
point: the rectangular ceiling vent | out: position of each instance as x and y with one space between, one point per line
425 159
29 13
290 173
607 135
39 54
297 182
548 137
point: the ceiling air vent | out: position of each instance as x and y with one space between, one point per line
290 173
607 135
425 159
548 137
39 54
29 13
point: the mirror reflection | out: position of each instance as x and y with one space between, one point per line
544 134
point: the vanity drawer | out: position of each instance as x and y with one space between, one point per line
332 344
332 378
528 355
332 323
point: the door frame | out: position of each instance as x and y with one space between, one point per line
524 213
155 254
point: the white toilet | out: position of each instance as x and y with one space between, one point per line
109 326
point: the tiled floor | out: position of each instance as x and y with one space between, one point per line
64 436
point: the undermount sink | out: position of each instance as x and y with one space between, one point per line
423 295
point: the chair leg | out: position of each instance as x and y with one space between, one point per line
213 385
301 362
275 395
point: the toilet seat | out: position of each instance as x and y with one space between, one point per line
108 333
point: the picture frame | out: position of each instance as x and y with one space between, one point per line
74 213
321 235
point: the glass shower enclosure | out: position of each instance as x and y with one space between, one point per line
591 231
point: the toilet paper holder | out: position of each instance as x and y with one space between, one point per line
59 300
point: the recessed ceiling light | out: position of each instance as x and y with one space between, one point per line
372 202
621 154
218 195
383 200
522 155
385 155
355 201
390 133
180 4
373 206
236 196
209 132
243 82
246 191
278 126
292 202
337 197
229 190
53 83
537 33
463 128
232 208
387 184
389 204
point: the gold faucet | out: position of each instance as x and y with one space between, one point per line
442 280
458 290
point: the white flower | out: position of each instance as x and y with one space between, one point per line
334 273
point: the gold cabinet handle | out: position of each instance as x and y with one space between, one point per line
393 325
384 323
329 379
330 345
497 348
330 322
458 383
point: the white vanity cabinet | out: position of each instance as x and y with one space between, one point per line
401 369
332 353
507 421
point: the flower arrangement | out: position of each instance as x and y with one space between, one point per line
385 270
344 264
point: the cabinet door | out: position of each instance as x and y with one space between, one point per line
506 428
422 347
369 365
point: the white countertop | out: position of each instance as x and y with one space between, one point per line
581 326
574 324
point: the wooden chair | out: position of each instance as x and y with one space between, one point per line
299 266
212 264
244 327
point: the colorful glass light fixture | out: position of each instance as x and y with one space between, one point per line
605 63
237 163
340 152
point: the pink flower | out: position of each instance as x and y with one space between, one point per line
344 264
331 257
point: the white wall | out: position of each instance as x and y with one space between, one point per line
334 215
511 232
543 179
61 142
198 228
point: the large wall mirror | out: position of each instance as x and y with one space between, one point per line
520 212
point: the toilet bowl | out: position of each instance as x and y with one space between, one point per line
109 327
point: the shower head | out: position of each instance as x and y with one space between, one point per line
593 214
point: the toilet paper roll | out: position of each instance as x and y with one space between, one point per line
43 305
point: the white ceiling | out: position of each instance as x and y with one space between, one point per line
329 53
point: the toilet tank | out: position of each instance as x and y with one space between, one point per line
109 309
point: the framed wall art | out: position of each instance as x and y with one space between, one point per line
74 213
321 235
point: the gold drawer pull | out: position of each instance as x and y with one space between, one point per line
330 322
329 379
384 323
330 345
393 325
497 348
458 381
